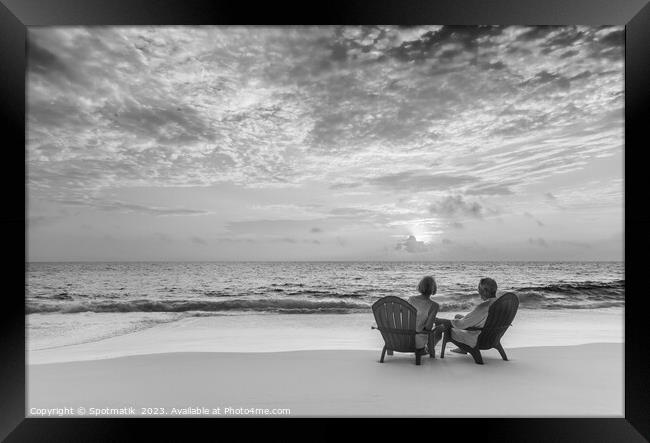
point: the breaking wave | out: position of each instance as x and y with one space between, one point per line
560 295
260 305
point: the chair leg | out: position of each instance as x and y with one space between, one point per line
501 351
383 353
444 343
390 352
477 356
418 358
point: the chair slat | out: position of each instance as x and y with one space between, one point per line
400 322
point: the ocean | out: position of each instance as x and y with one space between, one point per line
72 303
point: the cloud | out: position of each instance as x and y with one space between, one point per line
279 227
614 38
168 124
538 242
237 240
412 245
344 185
419 181
44 62
456 205
118 206
262 239
352 212
569 53
490 189
545 77
535 33
41 220
575 244
163 237
529 215
198 241
444 43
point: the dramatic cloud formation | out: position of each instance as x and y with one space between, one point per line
359 137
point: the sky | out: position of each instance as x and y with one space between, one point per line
325 143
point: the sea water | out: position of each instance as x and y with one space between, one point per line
326 304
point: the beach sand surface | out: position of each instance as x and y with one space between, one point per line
559 381
299 332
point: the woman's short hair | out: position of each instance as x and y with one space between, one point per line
427 286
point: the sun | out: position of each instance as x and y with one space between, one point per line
423 232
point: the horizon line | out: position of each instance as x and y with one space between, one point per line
325 261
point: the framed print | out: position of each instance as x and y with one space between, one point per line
429 212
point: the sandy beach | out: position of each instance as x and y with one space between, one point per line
296 332
561 364
582 380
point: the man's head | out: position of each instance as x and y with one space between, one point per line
487 288
427 286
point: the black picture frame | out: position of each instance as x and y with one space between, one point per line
16 15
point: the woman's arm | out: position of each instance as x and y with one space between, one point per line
431 316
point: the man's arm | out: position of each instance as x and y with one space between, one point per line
472 319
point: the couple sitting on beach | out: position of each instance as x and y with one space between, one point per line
487 290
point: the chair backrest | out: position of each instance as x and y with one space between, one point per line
395 319
500 316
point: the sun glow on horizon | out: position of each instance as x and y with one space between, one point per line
423 232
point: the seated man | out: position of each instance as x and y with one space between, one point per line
487 289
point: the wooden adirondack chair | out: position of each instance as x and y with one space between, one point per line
500 316
395 319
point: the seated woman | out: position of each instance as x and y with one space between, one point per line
423 304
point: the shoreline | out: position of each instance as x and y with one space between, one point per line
302 332
569 381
